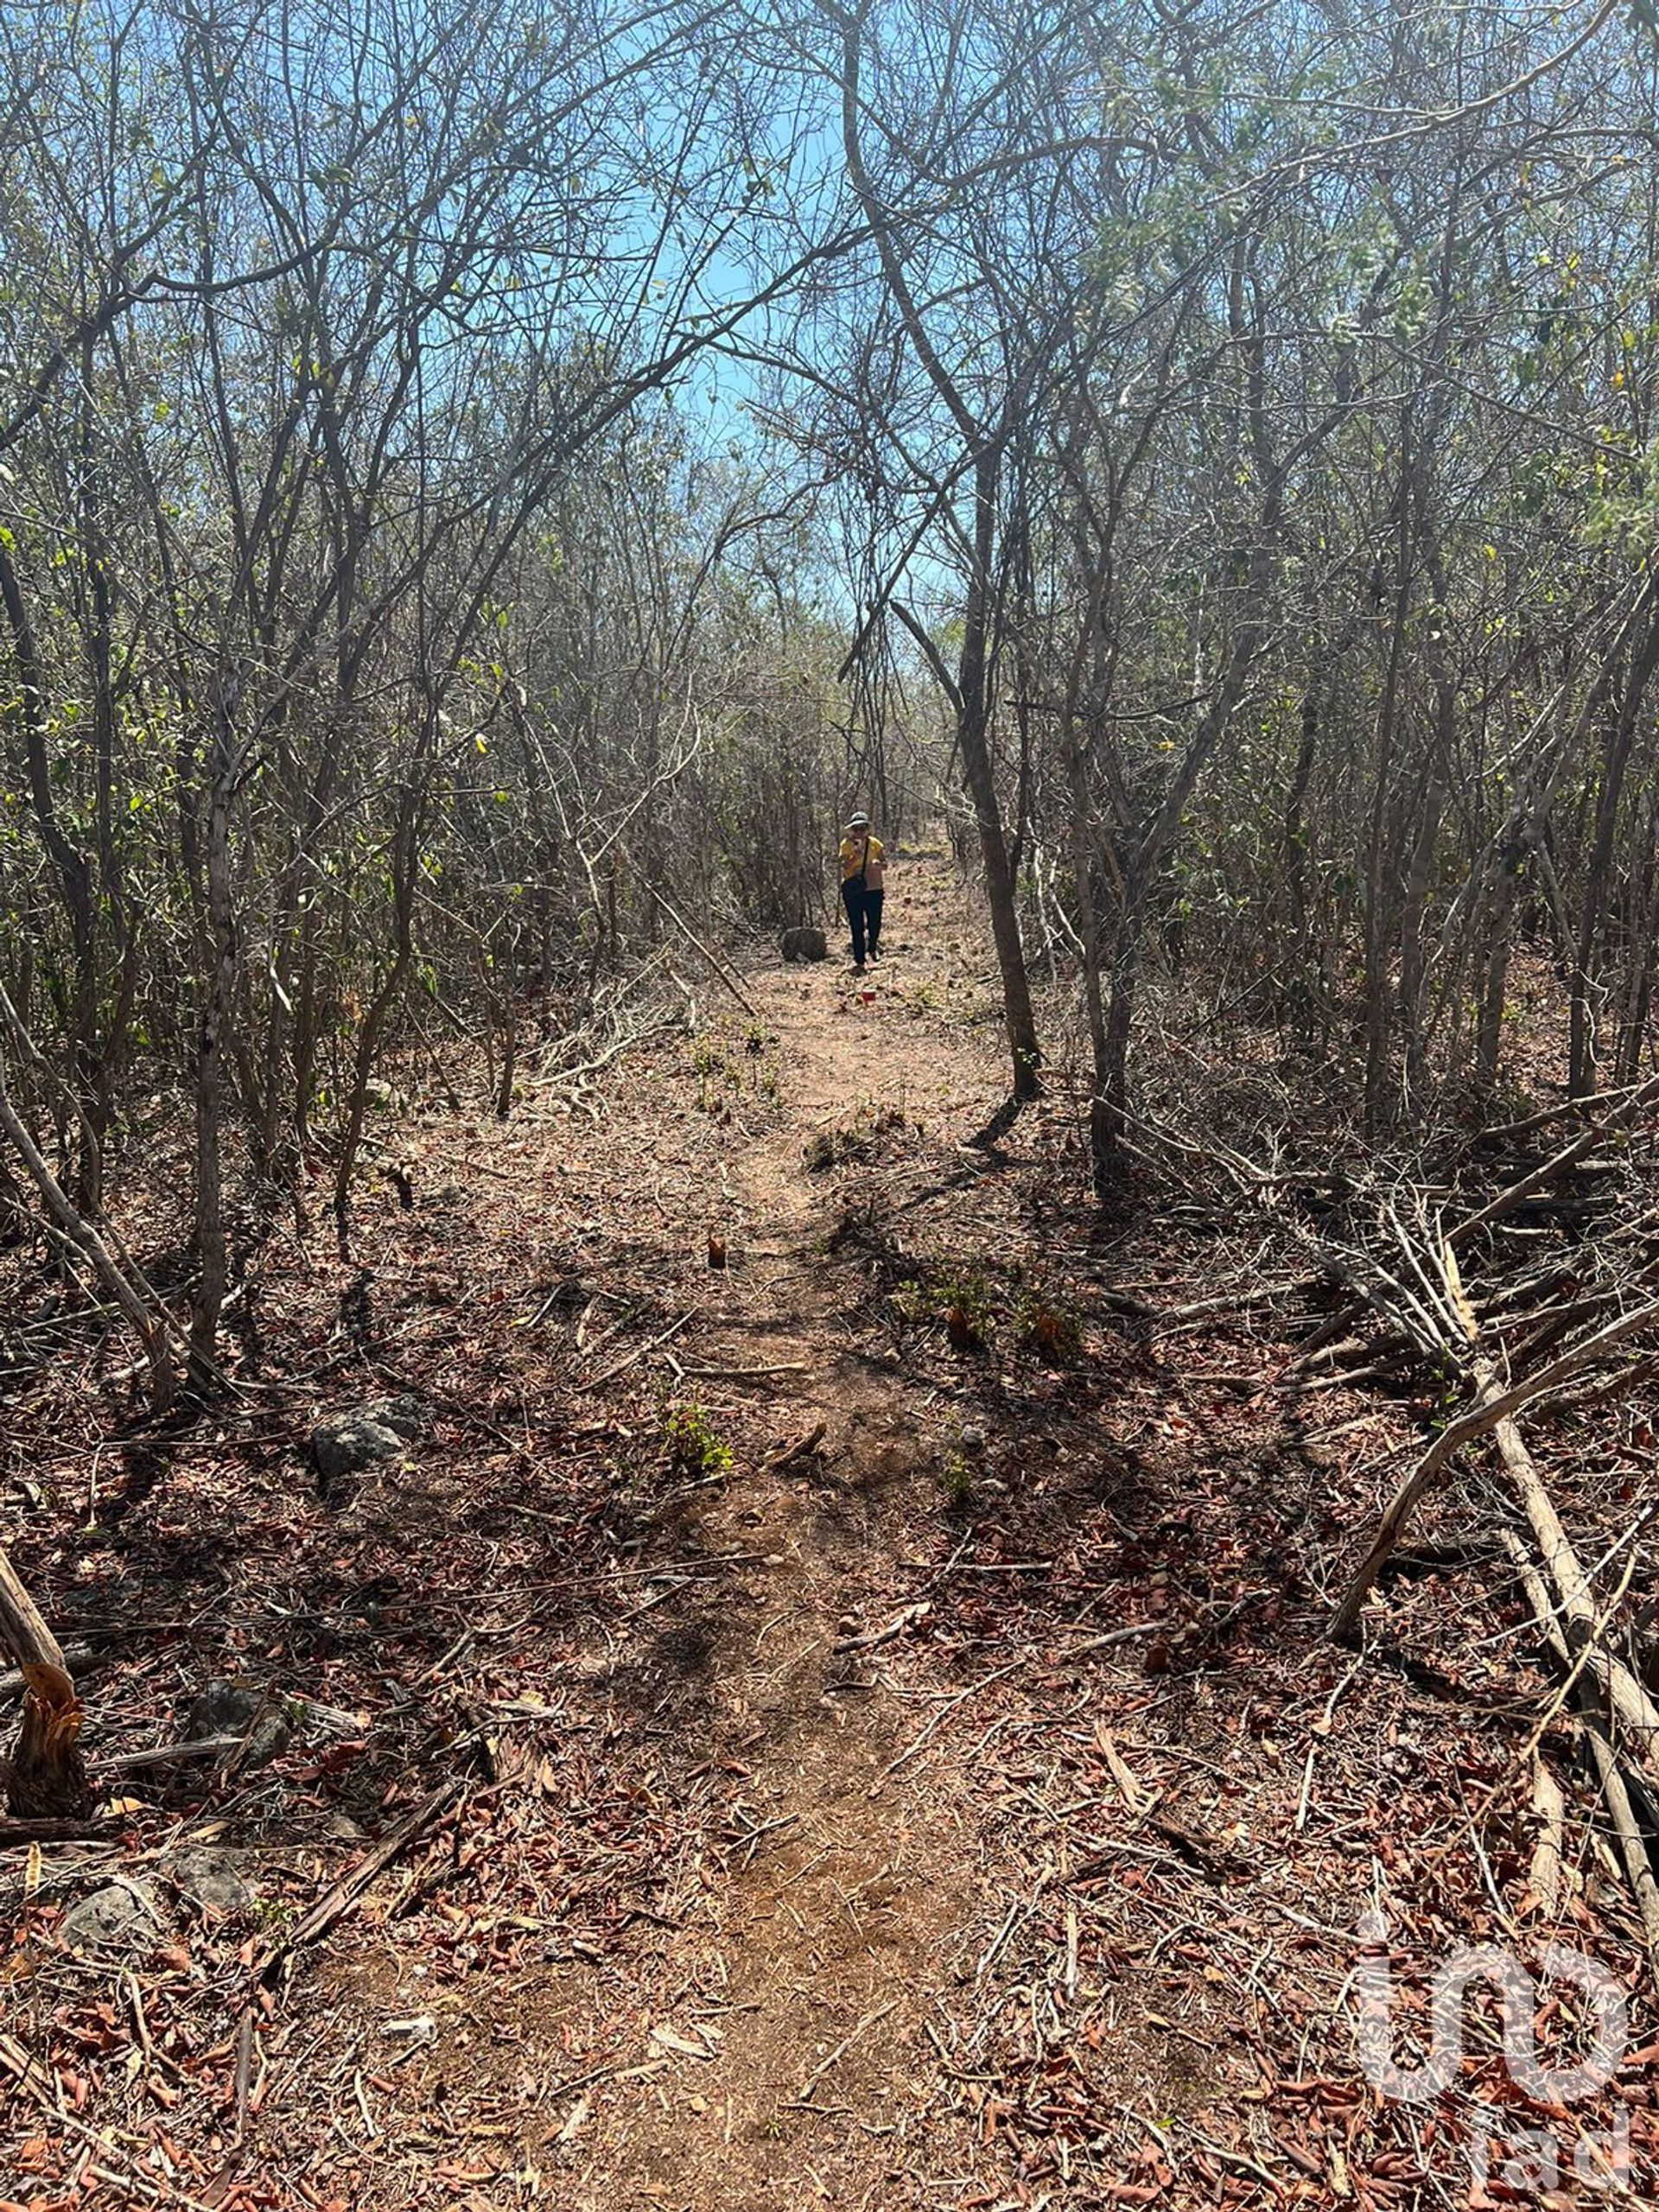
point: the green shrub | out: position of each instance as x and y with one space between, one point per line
693 1444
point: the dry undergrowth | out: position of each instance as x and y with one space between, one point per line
964 1809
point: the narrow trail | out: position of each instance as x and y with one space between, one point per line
819 1964
693 1931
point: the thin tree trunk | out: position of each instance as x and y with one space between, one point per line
1102 1144
973 736
1120 1024
218 992
1418 883
1500 907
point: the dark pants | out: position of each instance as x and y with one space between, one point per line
863 918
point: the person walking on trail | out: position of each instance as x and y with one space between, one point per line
863 870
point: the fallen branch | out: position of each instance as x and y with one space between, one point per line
1114 1635
1558 1164
1544 1876
342 1896
75 1656
633 1358
1630 1701
15 1834
171 1754
959 1697
1637 1866
738 1374
1492 1405
895 1627
1546 1793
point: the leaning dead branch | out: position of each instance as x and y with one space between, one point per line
1633 1844
711 959
1630 1702
1546 1795
142 1309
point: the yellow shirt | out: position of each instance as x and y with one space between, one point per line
854 856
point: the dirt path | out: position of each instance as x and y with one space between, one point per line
684 1934
824 1958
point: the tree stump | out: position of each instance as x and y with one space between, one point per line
46 1776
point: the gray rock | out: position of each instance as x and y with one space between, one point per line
342 1444
226 1708
805 944
211 1882
122 1916
345 1443
402 1414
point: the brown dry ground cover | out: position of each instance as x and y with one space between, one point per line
968 1811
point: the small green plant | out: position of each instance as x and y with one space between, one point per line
692 1442
757 1044
912 1302
964 1302
957 1475
712 1070
1048 1326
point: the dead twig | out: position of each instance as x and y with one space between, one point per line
802 1448
342 1896
633 1359
895 1627
840 2051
